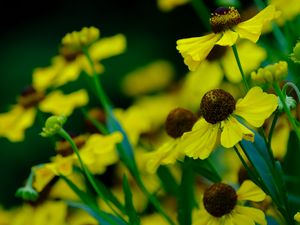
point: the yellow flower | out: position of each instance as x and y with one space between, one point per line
227 26
297 217
177 123
96 151
219 122
67 66
168 5
21 116
271 73
47 213
290 9
220 205
79 39
151 78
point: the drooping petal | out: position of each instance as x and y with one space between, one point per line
166 154
59 104
255 214
251 29
197 83
239 219
256 106
201 141
250 191
228 38
195 50
233 132
14 122
201 217
108 47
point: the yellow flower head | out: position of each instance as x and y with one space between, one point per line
220 205
151 78
79 39
168 5
297 217
177 123
295 56
271 73
227 26
219 123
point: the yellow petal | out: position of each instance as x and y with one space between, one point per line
42 78
166 154
228 38
59 104
255 214
251 29
242 219
195 50
233 132
201 141
201 217
42 176
251 56
250 191
256 106
108 47
297 217
14 123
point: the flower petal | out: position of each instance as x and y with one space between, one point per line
166 154
201 217
251 29
195 50
239 219
201 141
228 38
255 214
256 106
250 191
14 122
59 104
233 132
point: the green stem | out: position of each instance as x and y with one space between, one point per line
236 55
97 124
89 176
276 116
286 109
202 11
99 89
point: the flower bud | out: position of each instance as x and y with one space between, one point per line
53 125
295 56
27 193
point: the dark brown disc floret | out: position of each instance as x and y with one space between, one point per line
224 18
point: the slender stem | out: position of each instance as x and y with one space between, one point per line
286 109
276 116
99 90
236 55
285 86
89 176
202 11
97 124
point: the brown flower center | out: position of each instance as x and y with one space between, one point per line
179 121
64 148
30 97
219 199
216 105
224 18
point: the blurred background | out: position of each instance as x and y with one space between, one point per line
30 37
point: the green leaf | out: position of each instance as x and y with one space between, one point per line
167 180
97 214
90 205
131 212
110 196
206 169
258 154
186 200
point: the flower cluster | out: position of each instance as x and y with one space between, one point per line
218 146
